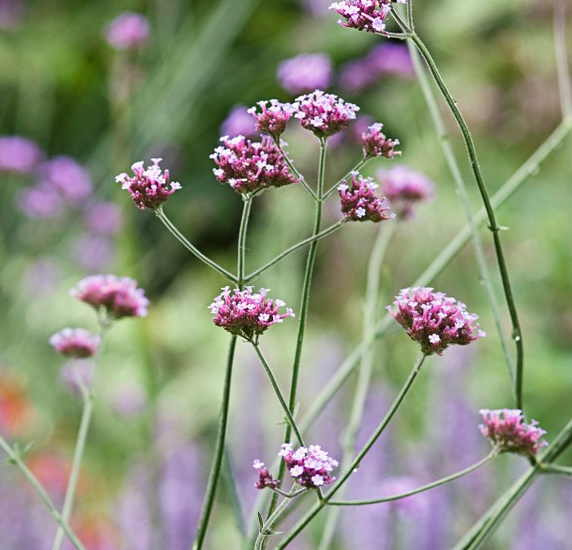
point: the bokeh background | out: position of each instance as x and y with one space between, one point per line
91 110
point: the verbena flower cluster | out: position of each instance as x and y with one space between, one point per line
118 296
273 117
309 466
364 15
251 166
376 144
360 201
75 342
434 320
265 478
324 114
246 314
510 434
149 187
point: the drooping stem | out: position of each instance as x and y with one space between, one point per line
218 453
191 248
241 261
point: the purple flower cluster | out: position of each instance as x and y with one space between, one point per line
364 15
149 187
265 478
376 144
434 320
309 466
324 114
361 203
246 314
251 166
510 434
118 296
75 342
19 155
305 73
128 31
239 123
403 188
271 120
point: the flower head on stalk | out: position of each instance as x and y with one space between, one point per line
246 314
265 478
273 117
324 114
360 201
364 15
75 342
376 144
149 187
309 466
509 433
250 167
434 320
403 188
117 296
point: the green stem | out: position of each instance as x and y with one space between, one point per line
247 205
294 170
359 165
456 173
560 48
264 532
36 485
555 469
278 392
309 240
191 248
218 453
365 369
309 516
422 489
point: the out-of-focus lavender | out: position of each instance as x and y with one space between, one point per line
75 374
128 31
40 202
305 73
42 276
94 252
239 123
69 178
11 13
104 218
18 154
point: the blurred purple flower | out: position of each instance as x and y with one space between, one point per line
104 218
76 374
42 276
69 178
239 123
391 58
128 31
40 202
129 400
18 154
94 252
305 73
76 342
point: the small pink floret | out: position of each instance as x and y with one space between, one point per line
272 118
265 479
359 202
376 144
309 466
363 15
75 342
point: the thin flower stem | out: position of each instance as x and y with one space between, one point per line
218 453
294 170
278 392
560 48
492 223
265 531
357 167
421 489
309 516
191 248
555 469
462 188
36 485
247 206
365 368
301 244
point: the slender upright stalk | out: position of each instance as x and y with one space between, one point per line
265 531
560 48
218 453
246 207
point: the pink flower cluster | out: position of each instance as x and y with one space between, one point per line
250 167
510 434
434 320
118 296
360 201
246 314
305 73
376 144
310 467
324 114
403 188
75 342
149 187
128 31
273 118
265 478
364 15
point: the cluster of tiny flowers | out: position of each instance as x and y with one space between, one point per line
273 117
434 320
149 187
510 434
364 15
128 31
324 114
360 201
309 466
305 73
118 296
249 166
75 342
376 144
246 314
265 478
403 188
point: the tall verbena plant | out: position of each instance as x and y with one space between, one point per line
305 481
